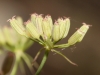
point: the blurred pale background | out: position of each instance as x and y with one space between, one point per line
86 54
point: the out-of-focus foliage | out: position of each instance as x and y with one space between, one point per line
16 44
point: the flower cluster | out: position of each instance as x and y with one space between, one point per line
11 40
42 30
16 44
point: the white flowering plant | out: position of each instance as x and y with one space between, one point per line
42 30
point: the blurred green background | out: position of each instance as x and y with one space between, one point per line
86 54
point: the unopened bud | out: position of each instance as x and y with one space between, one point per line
78 35
67 27
33 18
39 20
32 30
46 28
56 32
16 24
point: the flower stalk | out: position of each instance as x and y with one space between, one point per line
17 60
42 62
37 55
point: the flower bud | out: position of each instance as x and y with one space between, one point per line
84 29
67 27
61 23
32 30
39 20
64 27
78 35
56 32
46 28
16 24
50 23
33 18
20 21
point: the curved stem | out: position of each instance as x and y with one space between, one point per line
64 57
28 62
37 55
43 62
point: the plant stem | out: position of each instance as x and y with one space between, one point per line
37 55
43 62
18 54
63 56
61 46
13 72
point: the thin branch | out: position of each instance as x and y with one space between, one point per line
63 56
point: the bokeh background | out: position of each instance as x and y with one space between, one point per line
86 54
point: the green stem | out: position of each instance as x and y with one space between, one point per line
13 72
18 54
61 46
28 62
43 62
37 55
63 56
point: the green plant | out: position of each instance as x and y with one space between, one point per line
16 45
48 34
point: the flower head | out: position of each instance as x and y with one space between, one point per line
44 31
10 37
39 26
